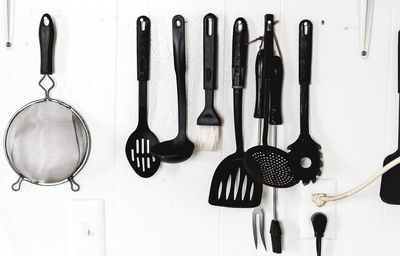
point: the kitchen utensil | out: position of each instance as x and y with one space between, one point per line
258 212
8 19
319 221
47 142
275 120
138 146
209 121
365 16
266 164
180 148
305 152
231 186
390 183
320 199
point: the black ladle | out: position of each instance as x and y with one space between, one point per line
180 148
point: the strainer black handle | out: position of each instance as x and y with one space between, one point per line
143 47
259 105
267 69
275 114
46 40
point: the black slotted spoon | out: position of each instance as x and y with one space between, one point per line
137 147
390 189
266 164
224 189
305 148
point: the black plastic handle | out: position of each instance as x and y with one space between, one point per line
268 45
239 61
239 52
275 114
210 51
259 106
398 63
305 51
268 69
178 37
46 40
143 47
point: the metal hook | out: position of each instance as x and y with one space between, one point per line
17 185
74 186
47 91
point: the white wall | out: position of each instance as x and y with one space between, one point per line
353 116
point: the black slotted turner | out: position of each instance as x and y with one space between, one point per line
305 148
224 191
390 183
266 164
138 146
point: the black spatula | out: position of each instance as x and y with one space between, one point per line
390 184
231 186
137 147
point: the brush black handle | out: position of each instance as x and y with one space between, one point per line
209 116
143 47
178 34
239 61
46 40
268 69
275 114
259 105
210 51
305 53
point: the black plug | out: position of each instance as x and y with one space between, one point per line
319 221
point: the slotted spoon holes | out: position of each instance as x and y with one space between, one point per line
139 156
274 168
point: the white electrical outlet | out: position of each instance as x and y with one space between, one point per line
308 208
87 228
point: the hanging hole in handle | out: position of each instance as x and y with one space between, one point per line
306 27
178 23
209 27
239 26
46 21
142 24
269 25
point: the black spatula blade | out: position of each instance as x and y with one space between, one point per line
390 184
232 187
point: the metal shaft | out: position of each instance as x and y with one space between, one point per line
274 191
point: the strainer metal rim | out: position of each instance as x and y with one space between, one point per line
87 149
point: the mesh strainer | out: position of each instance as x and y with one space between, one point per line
47 142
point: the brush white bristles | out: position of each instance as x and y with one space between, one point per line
208 136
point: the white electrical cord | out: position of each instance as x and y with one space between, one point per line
320 199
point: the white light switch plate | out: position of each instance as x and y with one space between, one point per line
87 228
308 208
